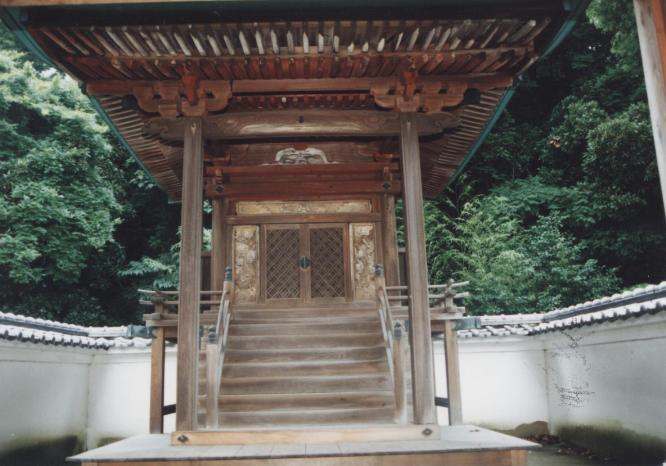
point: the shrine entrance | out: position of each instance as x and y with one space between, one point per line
321 253
306 263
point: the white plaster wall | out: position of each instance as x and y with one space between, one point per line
610 376
120 394
503 381
43 393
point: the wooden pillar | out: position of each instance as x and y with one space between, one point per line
190 276
390 241
453 391
157 382
218 252
651 22
423 382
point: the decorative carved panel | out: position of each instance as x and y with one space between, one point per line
328 264
293 156
302 207
363 257
246 263
282 271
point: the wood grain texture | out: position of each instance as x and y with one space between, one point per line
423 382
156 422
306 123
452 361
483 458
368 433
218 250
390 241
190 276
651 22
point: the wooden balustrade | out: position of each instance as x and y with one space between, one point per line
441 298
216 304
217 340
393 332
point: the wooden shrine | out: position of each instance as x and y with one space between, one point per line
303 125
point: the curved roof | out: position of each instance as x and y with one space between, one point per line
276 58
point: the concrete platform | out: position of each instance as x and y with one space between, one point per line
455 445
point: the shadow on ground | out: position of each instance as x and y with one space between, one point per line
551 455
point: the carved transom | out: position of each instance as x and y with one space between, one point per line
293 156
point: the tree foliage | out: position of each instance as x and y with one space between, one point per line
69 202
562 202
560 205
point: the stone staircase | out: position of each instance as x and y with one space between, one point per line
303 366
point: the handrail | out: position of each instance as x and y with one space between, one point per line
440 297
392 332
217 342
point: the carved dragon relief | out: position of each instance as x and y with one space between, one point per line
363 256
246 263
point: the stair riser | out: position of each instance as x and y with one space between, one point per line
277 315
304 369
302 385
339 354
302 342
274 328
310 417
306 401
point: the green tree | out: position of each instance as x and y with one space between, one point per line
74 207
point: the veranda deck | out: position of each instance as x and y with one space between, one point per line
455 445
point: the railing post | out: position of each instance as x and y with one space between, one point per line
399 380
380 281
228 286
212 384
156 424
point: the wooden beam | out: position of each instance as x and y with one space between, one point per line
328 85
452 368
423 382
323 85
293 123
314 435
218 260
304 218
156 423
300 170
305 188
390 241
651 22
190 276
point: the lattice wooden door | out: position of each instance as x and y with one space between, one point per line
302 263
283 276
328 269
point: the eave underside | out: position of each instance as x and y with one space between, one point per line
360 55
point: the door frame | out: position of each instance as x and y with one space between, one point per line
262 221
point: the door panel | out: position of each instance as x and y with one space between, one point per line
283 276
327 257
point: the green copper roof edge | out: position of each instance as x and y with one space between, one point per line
98 108
10 16
577 10
501 105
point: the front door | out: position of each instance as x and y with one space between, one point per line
306 263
